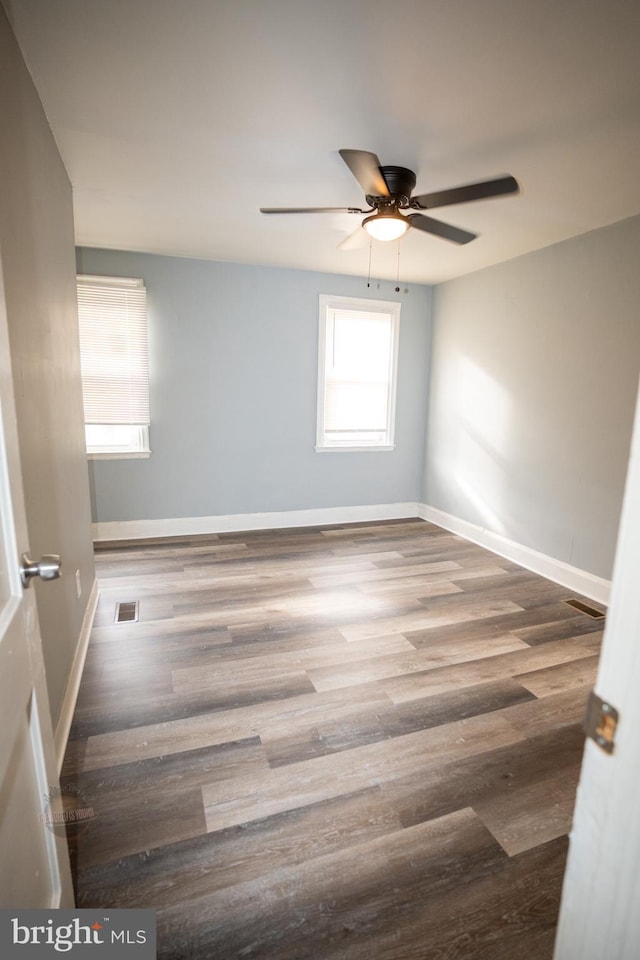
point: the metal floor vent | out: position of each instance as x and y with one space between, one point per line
126 612
585 608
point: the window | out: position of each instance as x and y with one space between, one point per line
358 354
112 313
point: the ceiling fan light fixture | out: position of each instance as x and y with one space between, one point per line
389 189
386 225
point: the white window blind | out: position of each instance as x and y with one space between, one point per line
112 315
356 399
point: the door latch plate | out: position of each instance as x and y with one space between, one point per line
601 722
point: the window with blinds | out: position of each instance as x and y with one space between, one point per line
114 355
358 351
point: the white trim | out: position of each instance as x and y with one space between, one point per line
63 725
580 581
383 448
120 455
193 526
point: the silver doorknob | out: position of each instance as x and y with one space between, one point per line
48 567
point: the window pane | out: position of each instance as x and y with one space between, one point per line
355 406
117 438
360 346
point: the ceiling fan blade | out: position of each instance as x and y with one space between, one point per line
472 191
440 229
365 167
312 210
354 241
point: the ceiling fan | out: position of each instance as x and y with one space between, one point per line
388 190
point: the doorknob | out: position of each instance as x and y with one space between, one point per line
48 567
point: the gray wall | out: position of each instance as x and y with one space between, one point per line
36 246
233 395
535 370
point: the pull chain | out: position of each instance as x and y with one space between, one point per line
369 270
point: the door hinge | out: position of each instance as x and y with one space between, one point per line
601 722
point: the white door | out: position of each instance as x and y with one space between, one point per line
600 910
34 860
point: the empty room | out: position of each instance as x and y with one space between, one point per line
319 476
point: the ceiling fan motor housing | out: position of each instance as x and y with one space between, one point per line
401 183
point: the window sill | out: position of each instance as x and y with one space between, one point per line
381 448
120 455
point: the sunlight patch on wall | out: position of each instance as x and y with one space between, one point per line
482 442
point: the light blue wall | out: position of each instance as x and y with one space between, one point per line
233 394
535 372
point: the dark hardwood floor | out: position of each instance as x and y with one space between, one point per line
345 743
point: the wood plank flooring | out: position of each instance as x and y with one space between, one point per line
340 743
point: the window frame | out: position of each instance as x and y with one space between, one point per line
327 303
134 442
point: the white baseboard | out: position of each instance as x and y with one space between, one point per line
573 578
237 522
63 725
579 581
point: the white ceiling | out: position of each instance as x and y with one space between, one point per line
178 119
